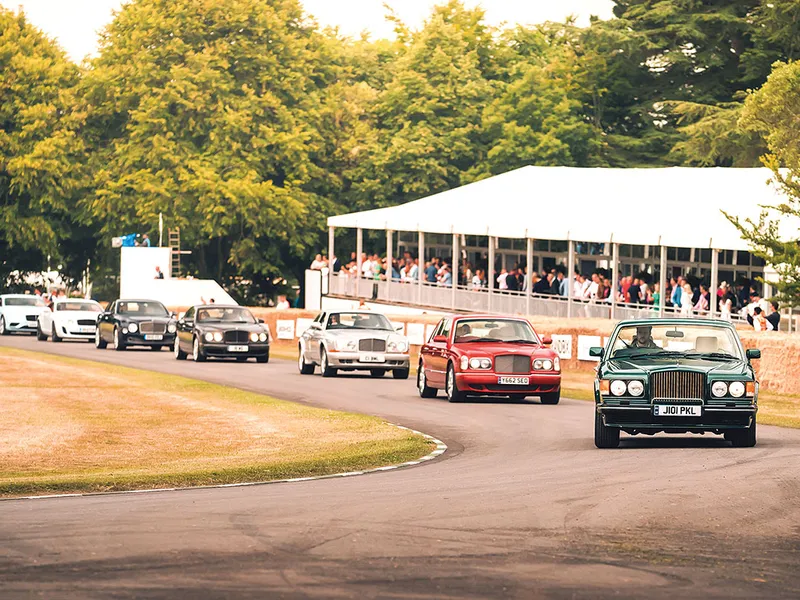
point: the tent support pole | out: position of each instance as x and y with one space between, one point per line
528 274
571 269
662 283
455 269
331 231
359 252
421 269
491 278
389 266
712 288
614 278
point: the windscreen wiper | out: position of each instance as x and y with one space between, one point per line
719 355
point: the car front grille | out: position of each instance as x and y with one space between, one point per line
372 345
512 363
677 385
86 322
237 336
31 317
152 327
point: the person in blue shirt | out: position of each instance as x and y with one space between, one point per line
430 272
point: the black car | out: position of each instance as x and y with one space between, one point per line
218 331
135 323
675 376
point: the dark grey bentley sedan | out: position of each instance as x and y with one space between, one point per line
217 331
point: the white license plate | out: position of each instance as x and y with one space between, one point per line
85 329
678 410
514 380
238 348
372 358
153 337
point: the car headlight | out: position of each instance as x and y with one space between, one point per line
480 363
547 364
635 387
209 337
736 389
397 346
262 337
556 364
217 336
618 387
172 328
537 364
719 389
254 337
133 327
464 362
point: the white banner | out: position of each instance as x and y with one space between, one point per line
416 334
562 345
584 343
302 325
285 329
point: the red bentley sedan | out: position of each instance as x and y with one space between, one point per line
488 356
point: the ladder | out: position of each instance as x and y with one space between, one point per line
174 237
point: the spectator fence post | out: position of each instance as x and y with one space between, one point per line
359 252
712 289
455 270
662 282
614 278
528 275
571 269
389 265
331 272
490 279
421 270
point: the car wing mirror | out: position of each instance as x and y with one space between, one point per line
439 339
260 320
596 352
753 353
547 340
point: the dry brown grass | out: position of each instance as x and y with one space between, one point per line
68 425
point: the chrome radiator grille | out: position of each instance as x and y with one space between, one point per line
677 385
372 345
236 337
151 327
512 363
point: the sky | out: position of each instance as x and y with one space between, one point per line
75 23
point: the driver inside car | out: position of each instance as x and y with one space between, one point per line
463 331
644 338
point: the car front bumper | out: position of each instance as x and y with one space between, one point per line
488 383
642 419
356 360
137 339
21 326
220 350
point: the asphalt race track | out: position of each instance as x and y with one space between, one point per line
521 505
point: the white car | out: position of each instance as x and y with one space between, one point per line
70 319
19 313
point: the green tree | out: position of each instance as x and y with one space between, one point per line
40 153
773 111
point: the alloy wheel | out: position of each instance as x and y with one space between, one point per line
2 325
421 380
195 349
177 348
115 340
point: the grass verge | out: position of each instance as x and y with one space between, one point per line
69 425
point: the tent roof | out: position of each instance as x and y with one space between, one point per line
678 207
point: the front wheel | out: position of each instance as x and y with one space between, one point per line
451 386
53 335
743 438
179 354
263 359
604 437
40 335
422 384
197 353
304 367
327 370
551 397
400 373
377 372
3 329
99 342
118 341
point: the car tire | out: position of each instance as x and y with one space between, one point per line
551 397
3 329
263 359
324 367
119 343
517 397
743 438
197 352
302 366
422 384
377 372
179 353
53 335
451 386
604 437
99 342
40 335
241 359
400 373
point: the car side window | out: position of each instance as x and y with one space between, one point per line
189 315
436 330
446 328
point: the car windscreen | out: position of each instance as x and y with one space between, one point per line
494 330
31 301
142 309
79 306
225 315
669 340
351 321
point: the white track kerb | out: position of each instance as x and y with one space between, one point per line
441 447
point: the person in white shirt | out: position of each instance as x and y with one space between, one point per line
577 286
318 263
412 272
366 266
591 288
501 280
283 303
760 322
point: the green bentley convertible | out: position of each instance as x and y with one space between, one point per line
675 376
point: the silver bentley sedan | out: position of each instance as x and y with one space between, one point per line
353 341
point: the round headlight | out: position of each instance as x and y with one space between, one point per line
537 365
618 388
486 363
262 337
635 387
254 337
209 337
172 328
133 327
719 389
217 336
475 363
736 389
547 364
402 346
